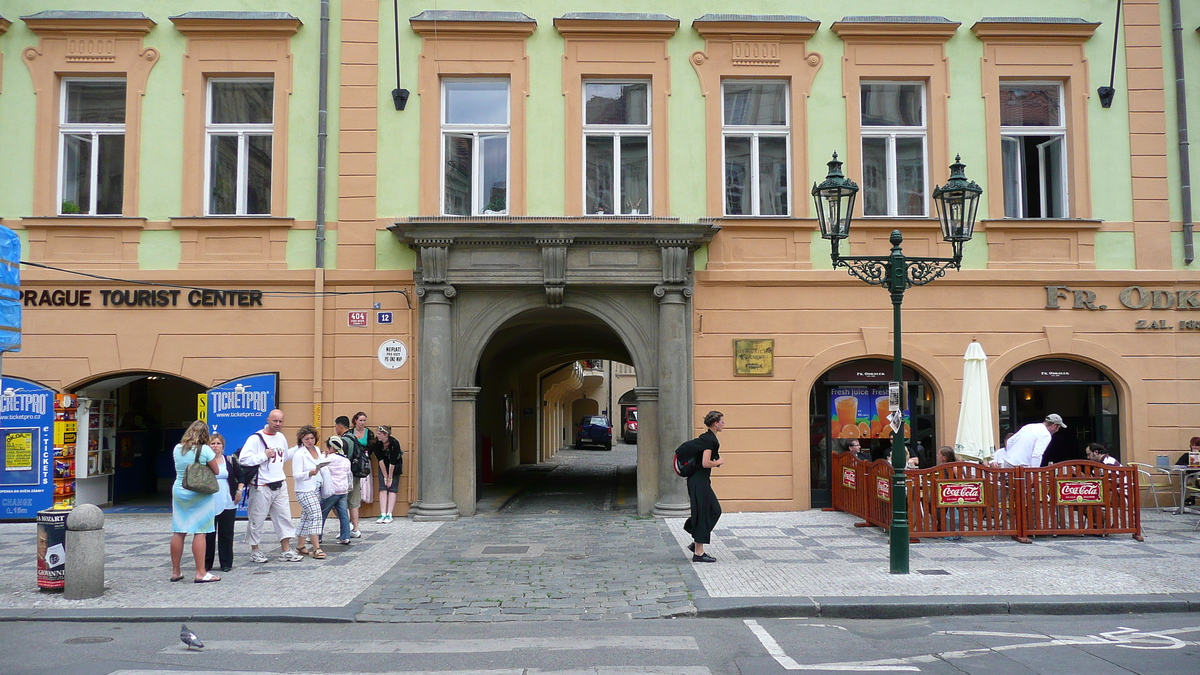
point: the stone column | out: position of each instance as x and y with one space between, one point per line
465 452
674 377
649 458
435 413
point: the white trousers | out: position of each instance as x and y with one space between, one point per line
267 502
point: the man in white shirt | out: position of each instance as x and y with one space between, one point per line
1026 447
268 450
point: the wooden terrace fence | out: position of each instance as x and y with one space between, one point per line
968 499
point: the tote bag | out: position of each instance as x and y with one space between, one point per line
199 478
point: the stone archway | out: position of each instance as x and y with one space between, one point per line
473 275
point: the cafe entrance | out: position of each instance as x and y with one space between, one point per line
831 428
1082 394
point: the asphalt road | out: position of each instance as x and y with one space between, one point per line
1158 644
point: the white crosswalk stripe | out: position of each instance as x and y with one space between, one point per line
597 670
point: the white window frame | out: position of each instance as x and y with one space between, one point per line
477 132
1009 134
78 129
890 134
242 131
616 131
756 131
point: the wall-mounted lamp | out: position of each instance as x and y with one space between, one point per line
400 98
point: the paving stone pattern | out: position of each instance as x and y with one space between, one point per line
816 553
578 567
563 544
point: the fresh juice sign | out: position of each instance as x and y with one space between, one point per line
861 412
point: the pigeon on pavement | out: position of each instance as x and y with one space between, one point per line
189 638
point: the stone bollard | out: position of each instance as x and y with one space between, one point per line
85 553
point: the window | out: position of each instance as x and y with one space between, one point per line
1033 139
616 156
893 148
92 147
754 133
475 129
240 131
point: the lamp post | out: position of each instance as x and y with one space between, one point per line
957 202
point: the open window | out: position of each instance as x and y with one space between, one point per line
1033 138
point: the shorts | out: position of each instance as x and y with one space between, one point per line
354 500
394 487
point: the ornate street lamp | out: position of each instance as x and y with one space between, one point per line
957 203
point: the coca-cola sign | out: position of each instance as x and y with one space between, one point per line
849 478
960 493
883 489
1080 491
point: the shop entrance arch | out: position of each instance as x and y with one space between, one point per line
134 419
843 408
1084 395
481 280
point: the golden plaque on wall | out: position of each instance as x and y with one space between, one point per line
754 357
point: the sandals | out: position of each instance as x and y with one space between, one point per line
174 579
208 578
318 554
302 550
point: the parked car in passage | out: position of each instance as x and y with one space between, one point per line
630 426
594 430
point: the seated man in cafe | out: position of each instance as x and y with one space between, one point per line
1098 453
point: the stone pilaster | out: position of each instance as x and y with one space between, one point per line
465 454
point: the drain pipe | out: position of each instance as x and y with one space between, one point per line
1185 169
318 388
322 131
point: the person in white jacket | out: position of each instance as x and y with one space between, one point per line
335 486
307 462
1026 447
268 450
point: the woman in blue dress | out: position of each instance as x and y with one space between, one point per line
192 512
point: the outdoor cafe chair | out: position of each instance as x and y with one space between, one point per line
1148 481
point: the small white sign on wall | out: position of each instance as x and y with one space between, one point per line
393 354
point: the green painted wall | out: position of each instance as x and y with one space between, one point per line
1115 251
161 160
159 250
1110 176
391 254
545 190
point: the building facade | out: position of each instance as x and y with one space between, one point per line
508 190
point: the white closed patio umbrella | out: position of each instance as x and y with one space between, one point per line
976 439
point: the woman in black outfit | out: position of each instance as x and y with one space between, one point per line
706 510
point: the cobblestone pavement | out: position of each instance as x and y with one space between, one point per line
565 544
137 569
562 541
817 553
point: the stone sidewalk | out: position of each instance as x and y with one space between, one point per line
597 566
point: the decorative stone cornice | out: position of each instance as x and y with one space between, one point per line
60 23
4 24
457 24
215 24
586 24
529 232
795 27
895 28
1033 29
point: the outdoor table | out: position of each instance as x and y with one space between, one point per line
1185 473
